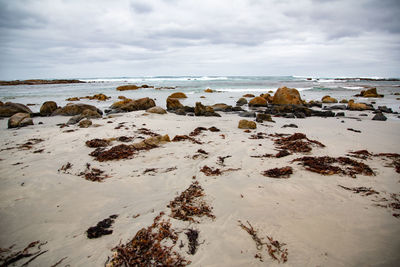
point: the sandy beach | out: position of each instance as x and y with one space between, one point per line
319 222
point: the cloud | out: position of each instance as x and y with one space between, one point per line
237 37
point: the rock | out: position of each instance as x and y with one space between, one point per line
152 142
237 109
248 95
85 123
340 114
379 117
335 107
209 90
267 97
299 115
100 97
258 102
344 101
122 97
202 96
173 104
242 101
363 115
328 99
385 109
369 93
180 111
1 103
290 126
90 114
128 105
324 114
313 103
222 107
263 117
8 109
72 99
247 114
357 106
245 124
48 108
127 87
178 95
74 119
19 120
156 110
286 95
201 110
75 109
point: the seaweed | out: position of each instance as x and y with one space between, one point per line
30 143
221 160
282 153
93 174
192 236
201 151
364 191
258 135
189 204
213 129
297 142
147 248
324 165
13 257
179 138
58 262
360 154
102 228
283 172
94 143
210 172
197 131
146 131
352 130
65 167
115 153
124 139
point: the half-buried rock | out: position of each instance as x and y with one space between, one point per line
75 109
245 124
19 120
8 109
156 110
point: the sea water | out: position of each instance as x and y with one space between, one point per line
228 89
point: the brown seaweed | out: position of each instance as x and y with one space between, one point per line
197 131
353 130
93 174
364 191
192 236
102 228
65 167
13 257
146 131
210 172
213 129
115 153
94 143
179 138
297 142
189 204
283 172
221 160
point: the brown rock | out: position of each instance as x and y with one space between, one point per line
72 99
258 102
1 103
90 114
85 123
267 97
202 96
344 101
208 90
20 120
156 110
248 95
242 101
8 109
357 106
328 99
134 105
127 87
74 109
263 117
173 104
152 142
100 97
221 107
48 108
245 124
122 97
178 95
286 95
370 93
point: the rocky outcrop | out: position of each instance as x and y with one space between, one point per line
357 106
8 109
132 87
178 95
369 93
75 109
100 97
86 114
128 105
72 99
222 107
48 108
242 101
258 102
34 82
328 99
156 110
19 120
201 110
208 90
286 95
173 104
245 124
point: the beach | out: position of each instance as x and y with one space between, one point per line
52 190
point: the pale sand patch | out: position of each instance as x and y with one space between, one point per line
321 223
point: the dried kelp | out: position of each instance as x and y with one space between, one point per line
210 172
197 131
102 228
280 154
93 174
295 143
361 154
94 143
395 160
147 248
30 143
221 160
201 151
192 235
146 131
258 135
353 130
124 138
213 129
65 167
364 191
13 257
393 204
179 138
283 172
273 247
325 165
115 153
190 204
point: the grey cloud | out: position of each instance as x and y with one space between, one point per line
140 7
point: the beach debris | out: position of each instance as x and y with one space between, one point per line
201 151
297 142
30 143
192 236
93 174
197 131
221 160
291 125
124 138
325 165
360 154
213 129
148 247
280 154
65 167
283 172
190 204
258 135
102 228
13 257
364 191
58 262
352 130
179 138
365 154
94 143
146 131
273 247
210 172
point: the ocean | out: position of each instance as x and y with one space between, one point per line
229 89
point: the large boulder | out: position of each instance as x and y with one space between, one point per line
242 101
201 110
156 110
327 99
8 109
245 124
178 95
370 93
48 108
286 95
134 105
20 120
267 97
75 109
173 104
258 102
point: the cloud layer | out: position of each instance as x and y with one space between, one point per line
57 39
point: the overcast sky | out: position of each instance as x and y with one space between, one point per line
102 38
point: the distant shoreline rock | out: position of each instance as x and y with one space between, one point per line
38 81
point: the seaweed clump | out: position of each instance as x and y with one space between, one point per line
364 191
102 228
192 236
94 143
210 172
179 138
13 257
93 174
297 142
189 204
147 248
283 172
325 165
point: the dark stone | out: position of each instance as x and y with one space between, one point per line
290 126
247 114
323 114
237 109
379 117
385 109
340 114
263 117
334 107
289 116
299 115
363 115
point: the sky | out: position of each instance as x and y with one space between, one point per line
101 38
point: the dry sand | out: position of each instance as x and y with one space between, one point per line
320 223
